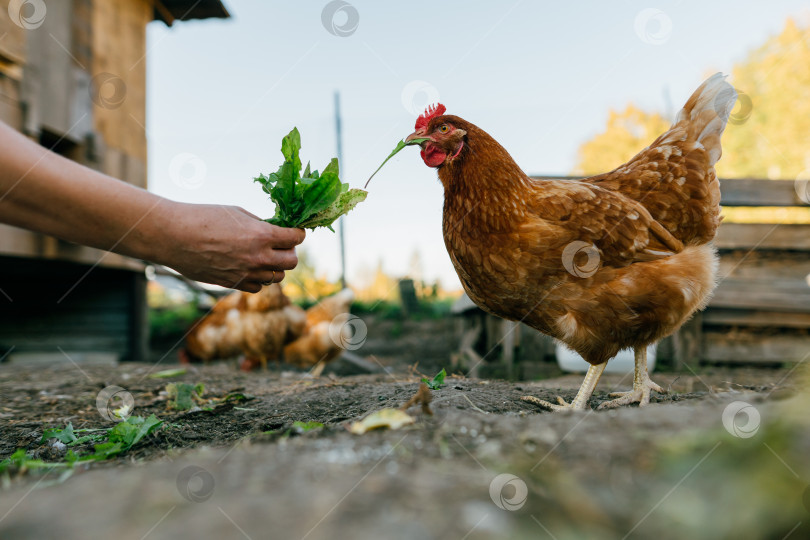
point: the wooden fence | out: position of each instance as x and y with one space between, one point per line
760 312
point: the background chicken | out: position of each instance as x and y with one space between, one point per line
611 262
255 325
266 326
324 332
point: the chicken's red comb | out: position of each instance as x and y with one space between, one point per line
431 112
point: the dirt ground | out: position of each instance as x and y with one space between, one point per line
670 470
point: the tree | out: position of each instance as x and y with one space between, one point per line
767 137
304 285
767 132
627 132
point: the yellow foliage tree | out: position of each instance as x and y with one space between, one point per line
382 287
767 135
627 132
303 284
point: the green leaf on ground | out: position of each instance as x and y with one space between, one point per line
184 396
303 427
168 373
65 436
437 381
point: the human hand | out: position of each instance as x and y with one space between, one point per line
225 245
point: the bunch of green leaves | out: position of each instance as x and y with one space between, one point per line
124 436
110 442
437 381
310 199
68 435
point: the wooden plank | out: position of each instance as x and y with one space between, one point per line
10 108
135 171
19 242
113 163
764 265
686 343
754 192
163 13
122 22
534 346
793 297
138 319
26 244
758 318
763 236
13 44
49 78
754 348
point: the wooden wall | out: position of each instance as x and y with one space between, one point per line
49 90
51 305
48 79
119 49
12 60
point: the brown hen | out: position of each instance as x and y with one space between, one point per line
255 325
324 334
615 261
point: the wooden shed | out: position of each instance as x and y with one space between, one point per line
759 314
73 78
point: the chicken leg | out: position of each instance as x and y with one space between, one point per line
316 371
580 402
642 385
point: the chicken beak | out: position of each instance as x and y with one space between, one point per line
420 134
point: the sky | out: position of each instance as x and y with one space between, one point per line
540 77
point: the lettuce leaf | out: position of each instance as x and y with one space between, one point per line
310 200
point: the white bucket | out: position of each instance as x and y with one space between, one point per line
624 362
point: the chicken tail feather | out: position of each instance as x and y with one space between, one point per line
706 114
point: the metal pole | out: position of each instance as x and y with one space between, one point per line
341 221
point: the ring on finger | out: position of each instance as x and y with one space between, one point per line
272 280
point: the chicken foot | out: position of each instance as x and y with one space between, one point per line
580 402
642 385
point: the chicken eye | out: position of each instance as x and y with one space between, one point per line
444 128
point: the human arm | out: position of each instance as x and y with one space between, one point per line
225 245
